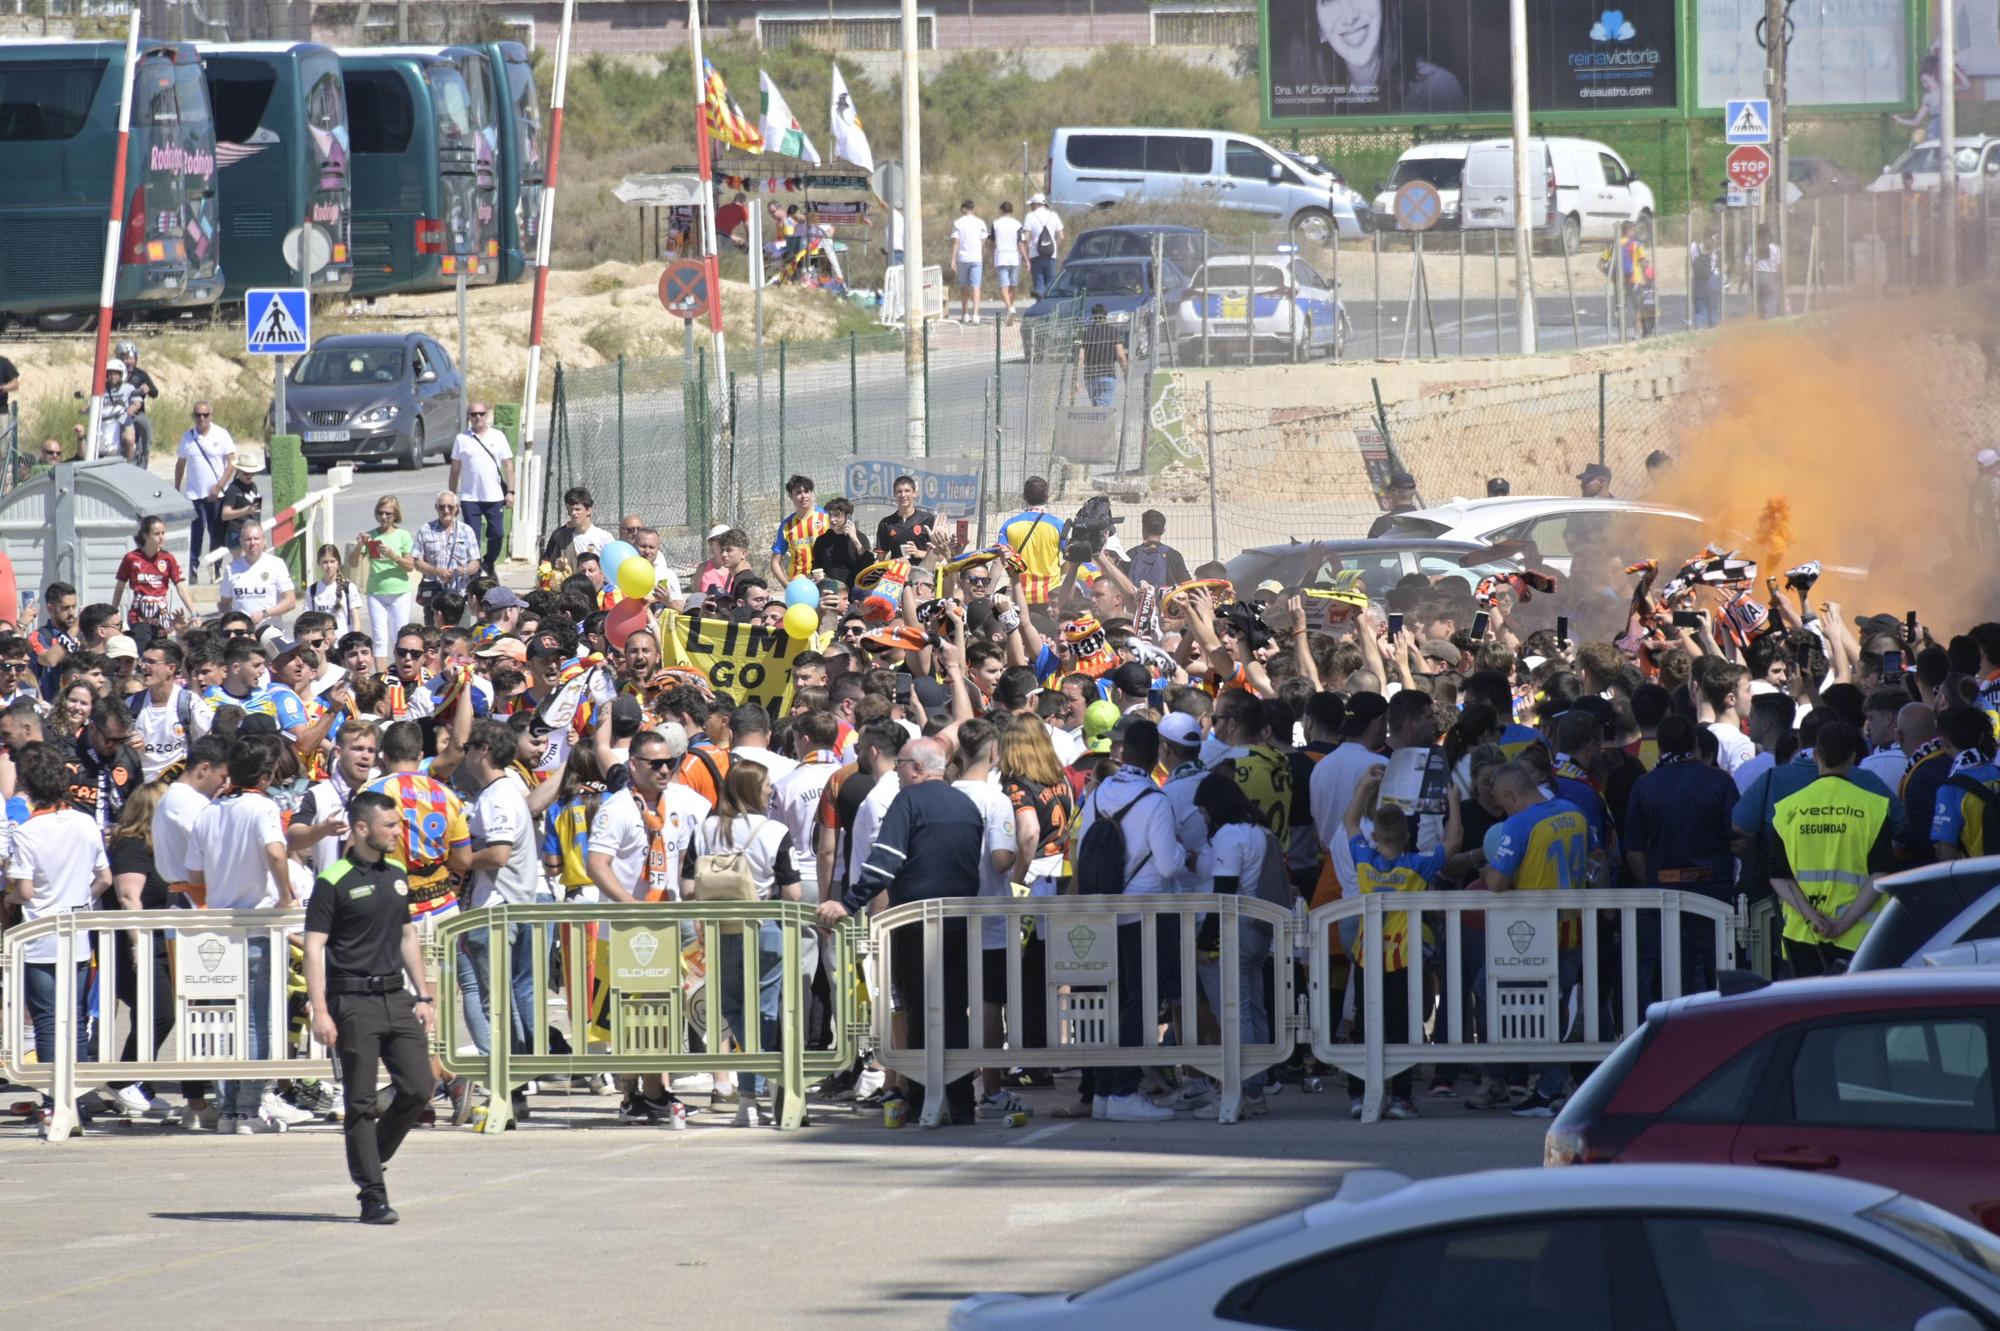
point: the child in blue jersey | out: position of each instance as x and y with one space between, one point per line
1386 860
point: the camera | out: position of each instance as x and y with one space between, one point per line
1090 529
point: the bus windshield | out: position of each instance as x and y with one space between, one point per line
202 211
48 102
453 103
156 132
326 130
528 133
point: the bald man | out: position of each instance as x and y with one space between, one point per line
1930 765
928 846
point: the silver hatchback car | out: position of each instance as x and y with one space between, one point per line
374 397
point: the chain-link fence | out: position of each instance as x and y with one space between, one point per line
1110 401
654 436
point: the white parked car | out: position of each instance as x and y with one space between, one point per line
1553 523
1441 164
1977 159
1274 300
1680 1247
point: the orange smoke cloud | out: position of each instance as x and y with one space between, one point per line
1774 534
1849 441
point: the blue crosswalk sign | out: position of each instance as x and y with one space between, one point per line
1747 120
277 322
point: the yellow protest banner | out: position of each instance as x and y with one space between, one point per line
743 662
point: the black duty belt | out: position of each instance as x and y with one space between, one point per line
364 984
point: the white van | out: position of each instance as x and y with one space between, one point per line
1588 188
1091 168
1442 164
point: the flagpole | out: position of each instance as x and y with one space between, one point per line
722 468
914 407
533 475
107 291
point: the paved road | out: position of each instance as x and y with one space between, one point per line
842 1221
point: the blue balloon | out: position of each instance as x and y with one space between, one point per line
613 557
801 590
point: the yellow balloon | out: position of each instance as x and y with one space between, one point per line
636 577
801 621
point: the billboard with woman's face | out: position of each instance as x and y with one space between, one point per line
1332 60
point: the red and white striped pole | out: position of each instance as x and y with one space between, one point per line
534 474
107 288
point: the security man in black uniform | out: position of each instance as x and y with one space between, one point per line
360 944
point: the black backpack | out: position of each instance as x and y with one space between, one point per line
1989 811
1100 858
1045 243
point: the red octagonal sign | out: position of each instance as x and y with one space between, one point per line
1749 167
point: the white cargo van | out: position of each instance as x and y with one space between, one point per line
1090 168
1587 188
1442 164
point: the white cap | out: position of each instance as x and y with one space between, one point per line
1988 457
719 529
1037 198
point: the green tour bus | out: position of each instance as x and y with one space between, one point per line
58 139
413 170
281 146
486 83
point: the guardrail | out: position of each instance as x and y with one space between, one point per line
211 995
1082 981
1525 989
310 518
656 985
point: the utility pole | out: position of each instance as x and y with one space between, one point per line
1526 187
1774 190
1948 147
913 242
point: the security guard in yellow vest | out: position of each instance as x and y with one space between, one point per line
1835 835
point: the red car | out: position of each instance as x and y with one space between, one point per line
1886 1076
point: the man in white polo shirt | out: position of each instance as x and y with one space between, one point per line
202 471
482 472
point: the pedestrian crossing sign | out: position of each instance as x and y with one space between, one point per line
277 322
1747 120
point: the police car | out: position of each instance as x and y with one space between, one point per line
1275 302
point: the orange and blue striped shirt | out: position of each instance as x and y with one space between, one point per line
434 825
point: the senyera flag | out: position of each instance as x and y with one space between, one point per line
726 120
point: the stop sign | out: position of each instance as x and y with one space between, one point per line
1749 167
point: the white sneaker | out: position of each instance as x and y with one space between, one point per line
870 1081
1354 1110
1136 1109
275 1109
1252 1106
132 1099
1191 1094
698 1083
1000 1104
203 1119
1400 1109
249 1125
746 1114
1100 1106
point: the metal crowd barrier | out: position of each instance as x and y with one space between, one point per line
1081 981
1523 1007
652 985
211 996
